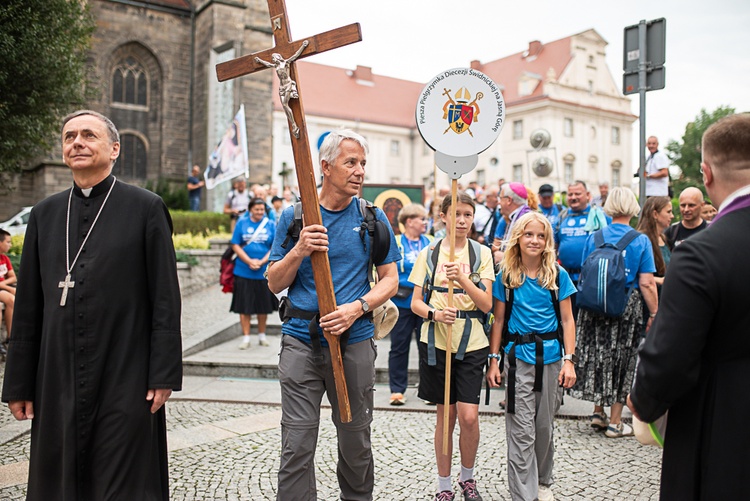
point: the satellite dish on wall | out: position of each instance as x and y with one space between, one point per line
542 166
540 138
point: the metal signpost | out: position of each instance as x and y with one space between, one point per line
643 63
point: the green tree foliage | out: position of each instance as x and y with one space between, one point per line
175 195
43 47
687 154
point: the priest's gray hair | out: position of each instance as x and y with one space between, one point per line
114 135
330 150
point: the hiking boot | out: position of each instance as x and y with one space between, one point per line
445 496
599 421
545 493
398 399
469 490
244 345
619 430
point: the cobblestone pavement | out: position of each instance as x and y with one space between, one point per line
243 466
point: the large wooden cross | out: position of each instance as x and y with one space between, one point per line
291 50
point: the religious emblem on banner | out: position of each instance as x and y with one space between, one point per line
453 98
460 113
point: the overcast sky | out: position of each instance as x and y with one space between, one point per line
707 48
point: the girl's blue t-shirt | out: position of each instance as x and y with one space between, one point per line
348 256
409 251
533 311
639 255
243 233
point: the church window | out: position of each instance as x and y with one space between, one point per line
132 162
569 172
518 173
517 129
615 135
130 83
395 148
568 127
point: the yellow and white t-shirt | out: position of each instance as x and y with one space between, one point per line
439 300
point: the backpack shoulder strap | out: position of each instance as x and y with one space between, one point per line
433 252
598 238
626 239
475 255
295 226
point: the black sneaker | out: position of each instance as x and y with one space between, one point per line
469 490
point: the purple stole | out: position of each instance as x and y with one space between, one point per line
738 203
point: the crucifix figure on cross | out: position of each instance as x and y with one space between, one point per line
287 86
283 56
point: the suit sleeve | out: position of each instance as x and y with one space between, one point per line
671 357
165 362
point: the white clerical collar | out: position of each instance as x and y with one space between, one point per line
86 191
745 190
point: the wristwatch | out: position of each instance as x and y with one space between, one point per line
365 306
572 357
431 315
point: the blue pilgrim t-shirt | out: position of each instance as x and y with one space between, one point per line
243 233
533 311
409 251
348 257
639 255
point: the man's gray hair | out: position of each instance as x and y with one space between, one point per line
329 150
114 135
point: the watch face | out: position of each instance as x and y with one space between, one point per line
365 306
475 278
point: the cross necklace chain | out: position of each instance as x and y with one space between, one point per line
68 283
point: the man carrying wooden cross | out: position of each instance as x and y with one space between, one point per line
304 366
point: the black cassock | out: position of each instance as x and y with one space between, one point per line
88 365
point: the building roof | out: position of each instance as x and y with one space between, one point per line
535 63
357 94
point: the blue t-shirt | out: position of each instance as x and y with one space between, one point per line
571 237
533 311
243 233
501 226
552 214
409 251
349 259
639 255
196 193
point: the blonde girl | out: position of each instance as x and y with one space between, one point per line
540 292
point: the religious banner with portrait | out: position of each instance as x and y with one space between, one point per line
230 158
391 198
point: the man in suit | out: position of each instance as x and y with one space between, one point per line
696 357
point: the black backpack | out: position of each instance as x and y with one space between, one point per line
379 232
602 286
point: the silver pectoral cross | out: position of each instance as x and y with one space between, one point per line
65 285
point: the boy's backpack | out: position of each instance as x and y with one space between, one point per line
380 238
602 286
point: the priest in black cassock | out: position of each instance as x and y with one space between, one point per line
696 358
96 346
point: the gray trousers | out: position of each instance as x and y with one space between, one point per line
529 431
302 387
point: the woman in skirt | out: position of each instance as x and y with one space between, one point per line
251 241
607 346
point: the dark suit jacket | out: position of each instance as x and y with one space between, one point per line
696 363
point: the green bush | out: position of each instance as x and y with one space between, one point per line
175 195
203 223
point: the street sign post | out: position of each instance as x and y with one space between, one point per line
643 64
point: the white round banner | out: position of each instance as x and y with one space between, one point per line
460 112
